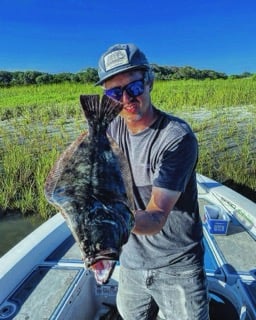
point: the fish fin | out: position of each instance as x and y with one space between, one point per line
100 111
59 166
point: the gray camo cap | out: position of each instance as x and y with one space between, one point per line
120 58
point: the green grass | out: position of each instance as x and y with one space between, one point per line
213 94
38 122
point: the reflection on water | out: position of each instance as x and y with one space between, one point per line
15 227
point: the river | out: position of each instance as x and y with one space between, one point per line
13 228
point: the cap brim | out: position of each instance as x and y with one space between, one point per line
121 70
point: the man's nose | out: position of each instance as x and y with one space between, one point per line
125 97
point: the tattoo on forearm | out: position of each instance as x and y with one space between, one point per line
156 217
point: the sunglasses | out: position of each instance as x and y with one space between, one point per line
134 89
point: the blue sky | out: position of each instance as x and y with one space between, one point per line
69 35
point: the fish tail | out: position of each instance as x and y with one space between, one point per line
100 111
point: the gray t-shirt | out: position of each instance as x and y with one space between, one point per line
163 155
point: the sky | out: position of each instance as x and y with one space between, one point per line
70 35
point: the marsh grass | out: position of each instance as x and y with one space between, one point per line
38 122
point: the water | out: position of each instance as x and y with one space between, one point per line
13 228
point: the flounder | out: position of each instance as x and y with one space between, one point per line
91 185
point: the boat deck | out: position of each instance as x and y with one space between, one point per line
68 288
237 249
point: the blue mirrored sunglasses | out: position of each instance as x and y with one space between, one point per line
134 89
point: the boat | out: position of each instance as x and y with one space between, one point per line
43 276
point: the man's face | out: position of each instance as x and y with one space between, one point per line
134 108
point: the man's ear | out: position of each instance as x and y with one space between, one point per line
151 85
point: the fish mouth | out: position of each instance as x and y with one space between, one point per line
109 254
103 270
103 265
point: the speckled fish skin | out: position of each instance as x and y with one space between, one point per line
91 186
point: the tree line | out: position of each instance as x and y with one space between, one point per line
8 78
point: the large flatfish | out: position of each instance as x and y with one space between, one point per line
91 186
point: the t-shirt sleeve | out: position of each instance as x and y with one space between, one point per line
176 164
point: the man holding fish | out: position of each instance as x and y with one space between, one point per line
161 265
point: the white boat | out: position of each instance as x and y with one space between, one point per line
43 276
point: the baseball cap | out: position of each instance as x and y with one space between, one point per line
120 58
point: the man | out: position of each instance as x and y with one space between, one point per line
161 266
